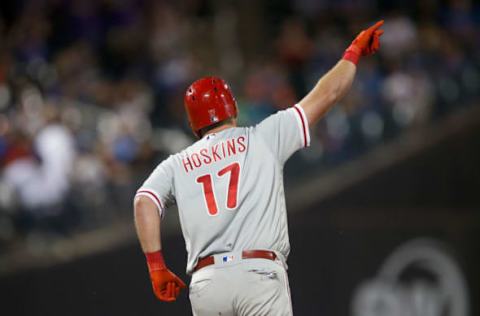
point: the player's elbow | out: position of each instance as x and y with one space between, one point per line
327 100
332 97
328 97
333 93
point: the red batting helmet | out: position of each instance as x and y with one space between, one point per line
208 101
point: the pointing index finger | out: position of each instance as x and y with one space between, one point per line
377 25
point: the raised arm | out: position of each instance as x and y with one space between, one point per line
166 285
333 86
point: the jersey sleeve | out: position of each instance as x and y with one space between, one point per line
285 132
159 186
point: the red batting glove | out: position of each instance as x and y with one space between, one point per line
166 285
366 43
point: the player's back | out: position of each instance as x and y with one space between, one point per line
229 187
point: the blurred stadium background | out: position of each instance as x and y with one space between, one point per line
384 207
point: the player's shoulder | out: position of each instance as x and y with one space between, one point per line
274 118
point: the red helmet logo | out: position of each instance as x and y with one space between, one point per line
208 101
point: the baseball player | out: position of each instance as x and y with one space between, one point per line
228 187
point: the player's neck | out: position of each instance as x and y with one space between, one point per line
220 128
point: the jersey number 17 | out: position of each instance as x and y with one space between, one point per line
232 194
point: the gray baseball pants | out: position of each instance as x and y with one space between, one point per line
241 287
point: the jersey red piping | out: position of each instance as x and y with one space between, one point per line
153 195
303 126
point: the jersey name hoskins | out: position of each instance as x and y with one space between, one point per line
214 153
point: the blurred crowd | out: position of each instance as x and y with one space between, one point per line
91 91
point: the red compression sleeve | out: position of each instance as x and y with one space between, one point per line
155 261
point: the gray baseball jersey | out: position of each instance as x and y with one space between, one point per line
228 186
